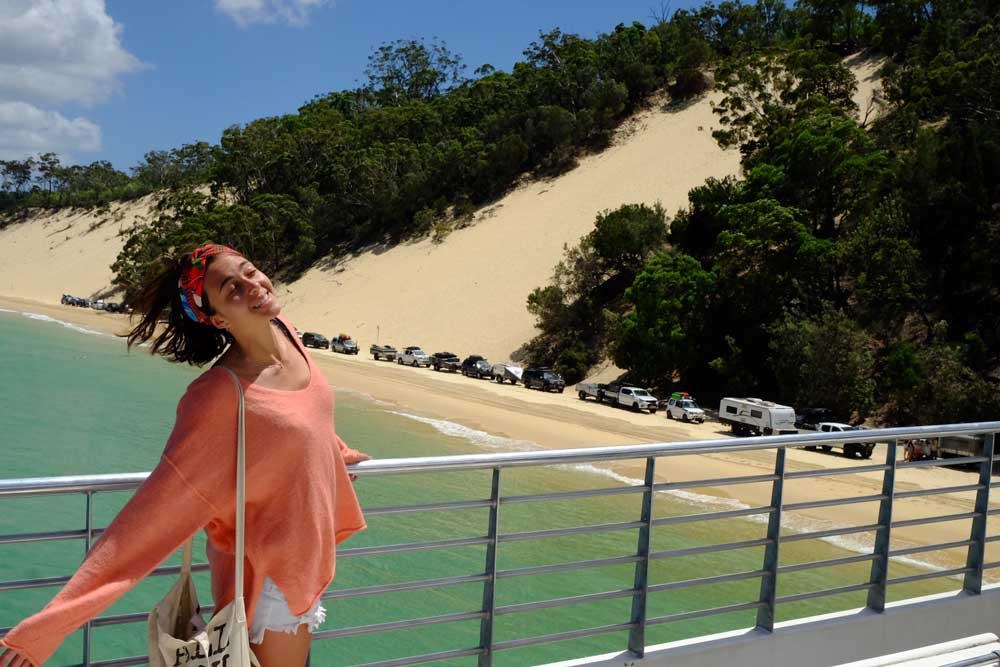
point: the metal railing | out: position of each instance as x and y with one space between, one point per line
643 527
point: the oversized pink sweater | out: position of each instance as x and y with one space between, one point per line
300 504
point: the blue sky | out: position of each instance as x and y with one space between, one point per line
121 77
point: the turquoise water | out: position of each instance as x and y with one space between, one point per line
75 403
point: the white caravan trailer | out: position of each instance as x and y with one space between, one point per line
754 416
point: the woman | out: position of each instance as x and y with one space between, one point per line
300 502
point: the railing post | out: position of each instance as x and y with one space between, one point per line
977 550
879 574
489 586
769 581
88 542
637 635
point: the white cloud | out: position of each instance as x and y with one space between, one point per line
25 129
53 52
56 51
247 12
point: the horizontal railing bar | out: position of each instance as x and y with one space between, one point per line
560 532
990 566
930 547
425 658
718 481
427 507
957 461
798 597
993 512
51 536
711 516
714 611
562 602
569 495
930 575
832 532
934 519
832 562
560 636
992 538
707 581
120 619
117 662
404 586
84 483
399 625
567 567
411 546
792 507
832 472
709 548
936 491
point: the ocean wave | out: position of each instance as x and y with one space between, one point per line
796 523
363 395
477 437
8 310
69 325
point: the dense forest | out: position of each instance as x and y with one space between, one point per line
851 266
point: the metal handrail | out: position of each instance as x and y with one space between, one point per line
494 539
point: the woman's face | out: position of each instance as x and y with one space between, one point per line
238 293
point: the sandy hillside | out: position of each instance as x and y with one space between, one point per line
68 251
466 294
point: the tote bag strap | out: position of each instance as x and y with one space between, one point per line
241 486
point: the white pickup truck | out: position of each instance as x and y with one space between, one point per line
413 356
636 398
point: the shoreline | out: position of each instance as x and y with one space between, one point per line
558 421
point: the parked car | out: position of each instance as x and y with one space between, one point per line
507 373
98 304
850 449
545 379
413 356
446 361
387 352
618 395
682 406
344 344
754 416
477 367
310 339
807 419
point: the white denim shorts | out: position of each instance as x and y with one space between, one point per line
273 614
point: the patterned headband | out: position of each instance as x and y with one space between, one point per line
192 282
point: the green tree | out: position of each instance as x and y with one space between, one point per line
412 69
662 333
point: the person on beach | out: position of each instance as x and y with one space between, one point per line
300 500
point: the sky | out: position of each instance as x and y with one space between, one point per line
112 79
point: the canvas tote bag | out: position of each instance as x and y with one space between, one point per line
178 636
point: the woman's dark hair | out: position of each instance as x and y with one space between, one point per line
181 339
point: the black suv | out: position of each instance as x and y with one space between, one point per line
445 361
477 367
545 379
310 339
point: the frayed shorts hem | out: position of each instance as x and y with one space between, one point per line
273 614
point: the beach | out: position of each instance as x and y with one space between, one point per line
558 421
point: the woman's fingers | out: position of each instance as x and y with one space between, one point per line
10 658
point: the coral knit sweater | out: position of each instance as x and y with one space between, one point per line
300 504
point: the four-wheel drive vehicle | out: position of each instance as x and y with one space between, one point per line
507 372
446 361
754 416
807 418
344 344
850 449
681 406
625 396
477 367
413 356
545 379
310 339
387 352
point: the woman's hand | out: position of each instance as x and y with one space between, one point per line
11 658
354 459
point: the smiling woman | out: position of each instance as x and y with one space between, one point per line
216 301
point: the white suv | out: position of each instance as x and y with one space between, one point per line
413 356
685 409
